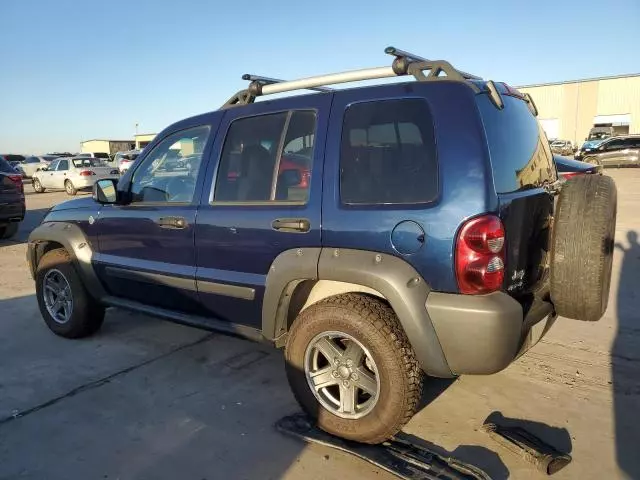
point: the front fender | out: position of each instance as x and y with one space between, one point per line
72 239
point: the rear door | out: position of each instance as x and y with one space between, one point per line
257 207
522 163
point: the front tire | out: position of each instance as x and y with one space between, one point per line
69 188
66 306
37 186
372 386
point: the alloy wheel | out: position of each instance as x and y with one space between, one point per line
342 374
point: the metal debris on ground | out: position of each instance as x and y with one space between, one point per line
404 459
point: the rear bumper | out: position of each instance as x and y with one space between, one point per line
483 334
11 211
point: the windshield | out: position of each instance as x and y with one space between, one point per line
88 162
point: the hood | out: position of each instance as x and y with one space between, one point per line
76 203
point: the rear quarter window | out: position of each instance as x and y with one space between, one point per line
388 154
519 149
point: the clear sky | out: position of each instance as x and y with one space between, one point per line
73 70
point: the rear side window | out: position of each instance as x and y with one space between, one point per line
388 154
267 158
519 149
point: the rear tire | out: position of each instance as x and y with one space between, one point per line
69 188
582 247
386 360
86 315
9 230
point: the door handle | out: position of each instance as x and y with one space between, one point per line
291 224
176 223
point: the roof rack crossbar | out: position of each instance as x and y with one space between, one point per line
404 58
269 81
330 79
405 63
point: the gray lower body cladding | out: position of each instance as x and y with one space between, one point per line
483 334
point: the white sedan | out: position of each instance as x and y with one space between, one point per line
72 174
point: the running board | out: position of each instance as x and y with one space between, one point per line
197 321
404 459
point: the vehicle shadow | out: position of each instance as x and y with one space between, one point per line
143 398
625 359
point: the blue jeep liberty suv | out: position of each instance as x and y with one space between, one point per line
379 234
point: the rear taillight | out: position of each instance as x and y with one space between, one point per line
568 175
86 173
480 253
17 179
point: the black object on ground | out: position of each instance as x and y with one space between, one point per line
404 459
546 458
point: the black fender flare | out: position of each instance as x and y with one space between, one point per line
395 279
73 239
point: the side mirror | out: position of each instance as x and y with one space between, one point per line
290 178
105 191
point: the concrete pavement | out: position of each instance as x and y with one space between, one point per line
148 399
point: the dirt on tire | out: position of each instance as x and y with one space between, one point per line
375 325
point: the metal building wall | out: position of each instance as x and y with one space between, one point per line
575 104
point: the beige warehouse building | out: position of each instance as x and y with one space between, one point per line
106 146
568 110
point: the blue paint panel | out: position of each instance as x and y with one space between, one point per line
464 188
236 244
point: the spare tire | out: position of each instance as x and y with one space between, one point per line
582 247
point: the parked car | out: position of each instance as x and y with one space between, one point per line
102 155
409 252
587 147
568 168
72 174
600 133
562 147
124 160
12 203
12 157
621 151
31 165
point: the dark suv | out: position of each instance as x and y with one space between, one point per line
622 151
12 203
430 235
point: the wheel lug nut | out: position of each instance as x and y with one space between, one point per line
349 362
335 374
354 376
336 361
345 383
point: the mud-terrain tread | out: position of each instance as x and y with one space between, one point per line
382 319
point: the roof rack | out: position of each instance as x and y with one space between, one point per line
405 63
